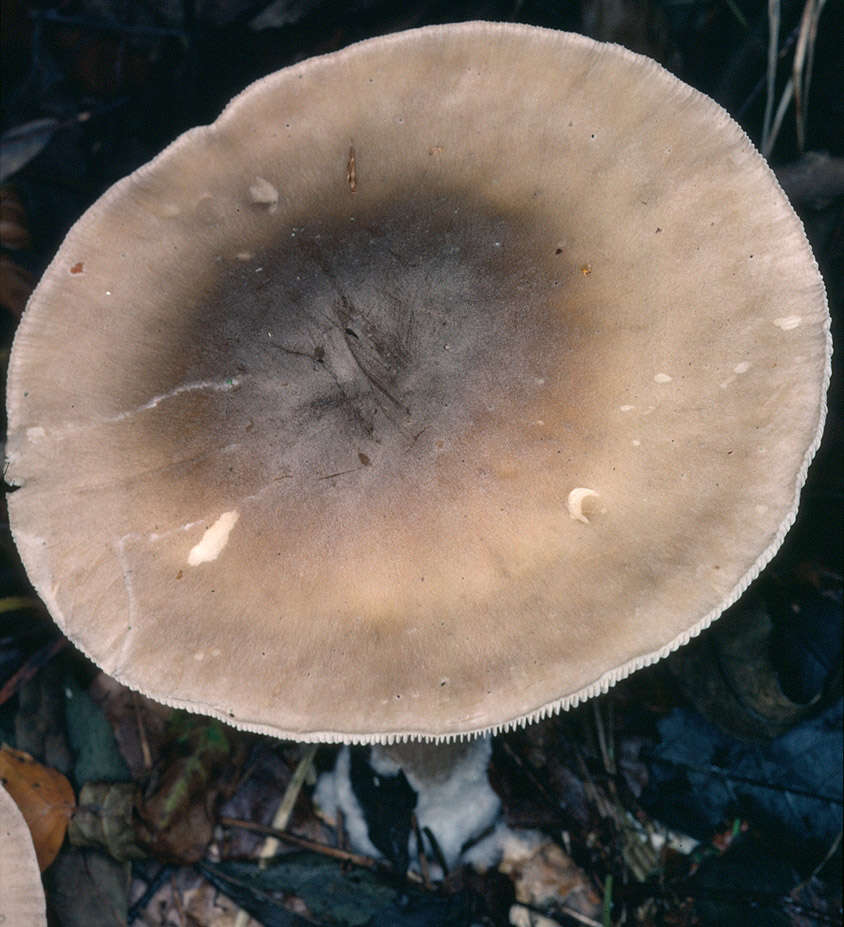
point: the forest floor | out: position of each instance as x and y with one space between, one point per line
633 808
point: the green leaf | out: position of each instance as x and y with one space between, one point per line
98 758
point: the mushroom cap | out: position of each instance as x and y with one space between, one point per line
439 384
21 892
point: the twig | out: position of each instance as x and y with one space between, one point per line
142 731
831 852
816 871
178 903
291 794
606 751
546 794
303 843
30 668
420 849
340 829
153 885
282 816
593 793
639 857
436 849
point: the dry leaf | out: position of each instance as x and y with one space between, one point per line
174 817
14 227
543 875
105 818
16 285
45 799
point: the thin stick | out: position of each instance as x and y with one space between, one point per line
436 849
291 793
551 800
420 849
142 731
817 870
303 843
30 668
606 754
176 895
341 829
282 816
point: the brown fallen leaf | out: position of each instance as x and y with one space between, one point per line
16 284
14 227
187 898
104 818
545 877
45 799
175 813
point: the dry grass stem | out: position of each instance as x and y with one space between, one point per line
797 86
282 815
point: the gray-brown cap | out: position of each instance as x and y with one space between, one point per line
21 893
441 383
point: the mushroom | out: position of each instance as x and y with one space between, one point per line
450 797
22 900
438 385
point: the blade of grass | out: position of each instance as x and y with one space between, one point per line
773 44
802 94
606 918
797 65
735 9
785 99
14 603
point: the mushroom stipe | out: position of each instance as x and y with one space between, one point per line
438 385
